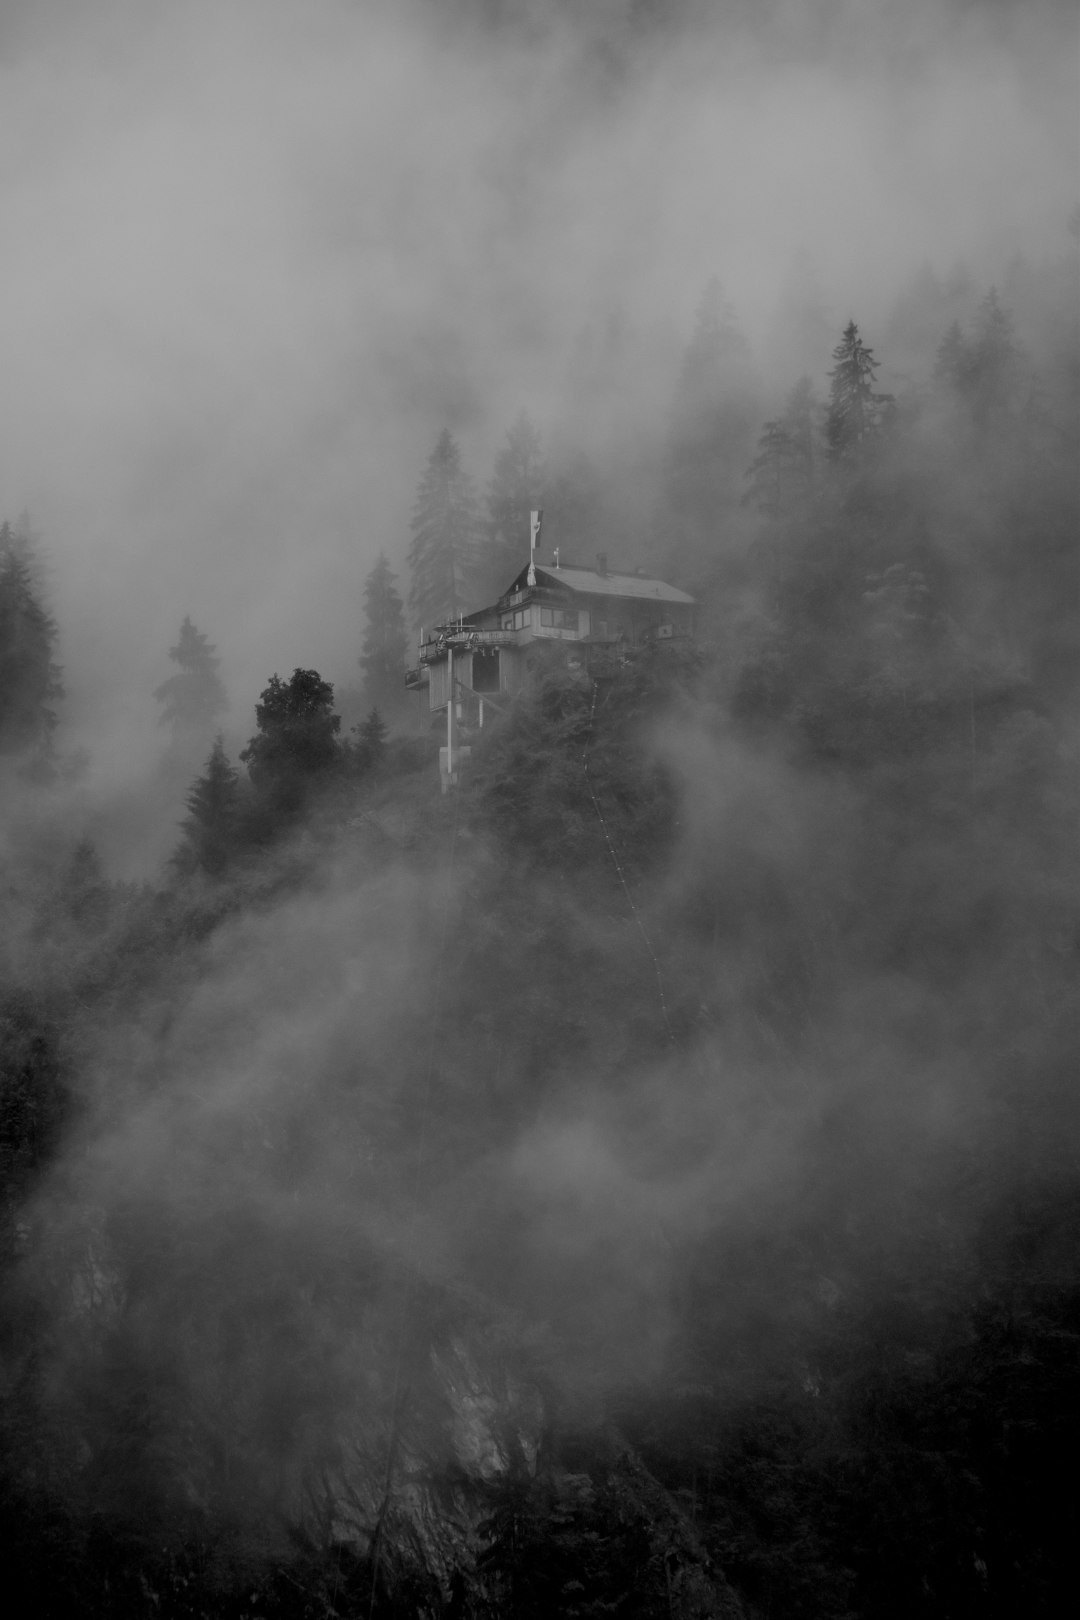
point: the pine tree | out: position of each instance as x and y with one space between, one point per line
445 530
371 741
192 699
994 367
952 363
516 489
29 679
855 410
211 825
782 473
383 657
297 742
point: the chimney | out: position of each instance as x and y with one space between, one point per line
601 563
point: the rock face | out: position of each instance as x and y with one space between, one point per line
488 1509
412 1491
397 1445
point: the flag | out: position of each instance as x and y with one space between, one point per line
535 521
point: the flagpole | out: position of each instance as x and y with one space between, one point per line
535 521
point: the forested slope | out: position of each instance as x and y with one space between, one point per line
641 1182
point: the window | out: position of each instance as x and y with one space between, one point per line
559 618
521 618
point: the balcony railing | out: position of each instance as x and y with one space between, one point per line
466 637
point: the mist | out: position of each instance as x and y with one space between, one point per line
257 256
683 1104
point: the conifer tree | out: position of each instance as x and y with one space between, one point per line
782 473
516 489
383 657
211 825
193 698
952 363
445 537
371 741
29 679
855 410
994 364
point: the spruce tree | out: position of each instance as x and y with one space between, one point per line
371 741
782 473
29 679
192 699
383 657
952 363
445 537
516 489
211 825
855 410
994 369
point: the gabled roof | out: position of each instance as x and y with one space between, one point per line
588 582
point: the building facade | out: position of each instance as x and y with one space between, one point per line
550 615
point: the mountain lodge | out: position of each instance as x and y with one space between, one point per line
551 614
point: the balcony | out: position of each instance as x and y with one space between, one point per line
464 637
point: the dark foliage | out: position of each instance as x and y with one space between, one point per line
29 679
211 829
296 747
856 411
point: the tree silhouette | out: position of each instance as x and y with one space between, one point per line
383 657
297 743
192 699
210 828
445 537
855 410
371 741
29 679
782 472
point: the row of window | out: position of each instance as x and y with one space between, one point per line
550 619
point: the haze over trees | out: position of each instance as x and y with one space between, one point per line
515 490
193 699
30 681
714 415
444 552
639 1182
212 826
855 411
384 639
